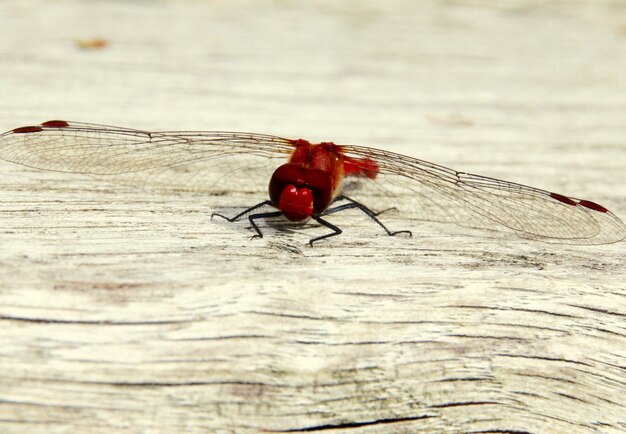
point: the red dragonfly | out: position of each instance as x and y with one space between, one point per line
312 182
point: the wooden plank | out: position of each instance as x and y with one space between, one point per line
127 310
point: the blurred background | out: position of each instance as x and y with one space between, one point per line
464 83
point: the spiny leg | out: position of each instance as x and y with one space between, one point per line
376 213
391 208
335 229
252 217
242 213
371 214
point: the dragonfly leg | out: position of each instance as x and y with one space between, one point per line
253 217
376 213
335 229
238 216
392 208
371 214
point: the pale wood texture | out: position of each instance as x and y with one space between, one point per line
122 311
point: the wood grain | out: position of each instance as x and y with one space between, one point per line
123 311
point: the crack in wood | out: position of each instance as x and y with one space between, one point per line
88 322
348 425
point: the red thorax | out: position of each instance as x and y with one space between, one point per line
307 185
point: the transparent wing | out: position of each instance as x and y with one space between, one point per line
425 191
212 162
224 162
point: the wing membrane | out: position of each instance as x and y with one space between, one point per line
212 162
425 191
218 162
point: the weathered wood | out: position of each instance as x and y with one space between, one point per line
128 311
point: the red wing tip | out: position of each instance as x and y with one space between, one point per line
28 129
566 200
38 128
55 124
592 205
586 203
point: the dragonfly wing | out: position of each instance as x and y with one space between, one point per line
222 162
425 191
213 162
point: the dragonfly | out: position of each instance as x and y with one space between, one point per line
308 181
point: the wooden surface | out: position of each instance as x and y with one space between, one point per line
122 311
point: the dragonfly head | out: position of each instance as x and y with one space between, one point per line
296 203
300 192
